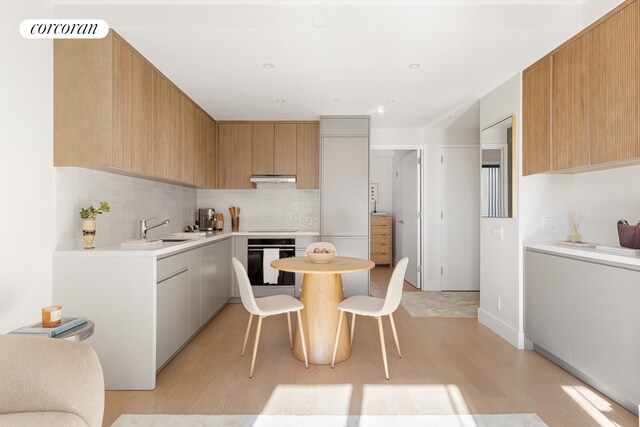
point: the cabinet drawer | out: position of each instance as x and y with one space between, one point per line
380 230
380 239
380 249
381 258
380 220
172 265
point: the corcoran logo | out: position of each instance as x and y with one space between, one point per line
64 28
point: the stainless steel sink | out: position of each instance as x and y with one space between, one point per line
175 239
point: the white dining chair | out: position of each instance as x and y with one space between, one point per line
375 307
321 245
265 307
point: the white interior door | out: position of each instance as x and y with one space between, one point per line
410 224
460 219
397 212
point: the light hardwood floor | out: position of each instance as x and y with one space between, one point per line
449 366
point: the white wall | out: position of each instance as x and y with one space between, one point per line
131 199
594 9
26 172
606 197
270 206
499 259
381 172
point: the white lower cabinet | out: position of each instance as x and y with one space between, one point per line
172 318
145 305
585 314
605 326
193 286
547 294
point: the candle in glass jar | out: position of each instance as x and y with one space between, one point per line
51 316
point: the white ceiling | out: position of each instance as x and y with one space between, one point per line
352 64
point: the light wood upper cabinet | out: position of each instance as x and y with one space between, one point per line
615 87
308 155
262 159
536 112
113 110
234 155
581 100
166 129
285 149
205 150
83 103
187 142
570 105
132 110
212 153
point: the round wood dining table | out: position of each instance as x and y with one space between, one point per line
321 293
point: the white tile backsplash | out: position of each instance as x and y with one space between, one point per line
269 206
131 199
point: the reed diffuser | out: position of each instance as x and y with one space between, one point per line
576 220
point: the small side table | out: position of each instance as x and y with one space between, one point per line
79 333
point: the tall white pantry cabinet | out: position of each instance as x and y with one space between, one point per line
344 192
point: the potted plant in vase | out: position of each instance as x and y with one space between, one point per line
89 224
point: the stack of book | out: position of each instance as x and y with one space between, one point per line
67 324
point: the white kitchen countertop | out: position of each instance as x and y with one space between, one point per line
587 253
168 248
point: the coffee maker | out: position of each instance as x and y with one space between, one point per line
206 219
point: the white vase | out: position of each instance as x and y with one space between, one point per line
89 232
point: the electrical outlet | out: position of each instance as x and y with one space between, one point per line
549 224
499 304
498 232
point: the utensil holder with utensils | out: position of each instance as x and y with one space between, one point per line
235 218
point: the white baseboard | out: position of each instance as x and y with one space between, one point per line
504 330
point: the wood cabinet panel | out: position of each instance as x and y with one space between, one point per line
166 129
262 149
132 110
113 110
536 112
308 155
285 149
83 102
211 153
234 155
615 87
200 143
186 146
570 105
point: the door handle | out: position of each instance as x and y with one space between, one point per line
400 221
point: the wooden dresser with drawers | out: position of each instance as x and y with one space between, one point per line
380 239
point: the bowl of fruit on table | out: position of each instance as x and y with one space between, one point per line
321 255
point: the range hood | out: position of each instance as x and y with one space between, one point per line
273 179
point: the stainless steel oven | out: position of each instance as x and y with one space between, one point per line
260 253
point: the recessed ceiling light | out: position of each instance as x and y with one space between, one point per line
267 65
414 66
280 101
390 101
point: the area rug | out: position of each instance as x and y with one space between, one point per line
501 420
441 304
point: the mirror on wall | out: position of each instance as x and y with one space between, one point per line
498 168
